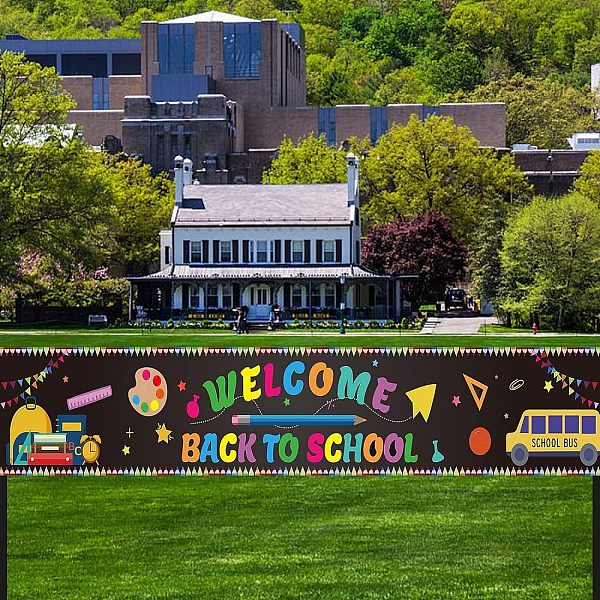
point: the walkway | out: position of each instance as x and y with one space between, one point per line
454 325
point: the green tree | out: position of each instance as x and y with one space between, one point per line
476 25
406 86
31 100
312 160
539 111
437 165
551 261
456 71
356 23
588 182
142 205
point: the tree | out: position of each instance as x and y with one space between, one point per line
31 98
551 261
437 165
356 23
406 86
458 70
312 160
476 25
423 246
588 182
539 111
143 205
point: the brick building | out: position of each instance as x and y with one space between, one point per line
219 89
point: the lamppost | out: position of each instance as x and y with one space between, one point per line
342 304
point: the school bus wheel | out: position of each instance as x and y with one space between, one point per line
519 455
588 455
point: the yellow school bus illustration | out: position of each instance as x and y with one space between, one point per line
555 433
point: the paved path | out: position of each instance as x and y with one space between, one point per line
455 324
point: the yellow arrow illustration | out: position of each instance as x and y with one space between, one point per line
422 399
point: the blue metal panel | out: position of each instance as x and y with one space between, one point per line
174 88
296 32
327 124
430 110
176 48
242 49
379 122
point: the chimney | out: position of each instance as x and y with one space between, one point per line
178 169
188 169
352 179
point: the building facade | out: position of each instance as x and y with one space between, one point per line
219 89
293 246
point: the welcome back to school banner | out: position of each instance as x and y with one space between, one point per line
390 411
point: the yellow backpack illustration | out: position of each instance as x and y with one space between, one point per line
30 418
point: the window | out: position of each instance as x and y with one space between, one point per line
297 251
225 252
315 296
330 295
174 146
227 296
588 424
261 251
538 424
84 64
525 426
242 49
187 146
126 64
555 424
212 296
328 250
571 424
195 252
297 296
194 296
175 48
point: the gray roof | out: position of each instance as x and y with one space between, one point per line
311 204
299 272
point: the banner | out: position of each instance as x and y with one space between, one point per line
299 411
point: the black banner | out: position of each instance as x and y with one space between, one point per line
388 411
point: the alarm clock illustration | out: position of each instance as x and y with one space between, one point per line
90 448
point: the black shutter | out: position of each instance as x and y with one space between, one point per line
287 294
306 251
319 257
204 251
215 251
186 251
235 251
185 296
245 251
288 251
277 251
338 250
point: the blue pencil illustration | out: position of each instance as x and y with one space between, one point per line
292 420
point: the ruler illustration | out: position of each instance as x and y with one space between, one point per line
89 397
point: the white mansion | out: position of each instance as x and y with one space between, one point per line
296 246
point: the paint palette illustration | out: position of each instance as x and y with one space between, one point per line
149 395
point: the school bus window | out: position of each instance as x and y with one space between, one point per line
554 424
588 424
538 424
525 426
571 424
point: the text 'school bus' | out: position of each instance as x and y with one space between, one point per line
555 433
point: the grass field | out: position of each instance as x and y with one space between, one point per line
272 538
162 338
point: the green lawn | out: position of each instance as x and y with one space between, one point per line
165 338
310 537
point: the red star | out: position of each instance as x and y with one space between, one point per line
181 385
66 379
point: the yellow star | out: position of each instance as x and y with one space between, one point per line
548 386
126 450
164 434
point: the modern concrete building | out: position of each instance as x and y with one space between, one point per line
219 89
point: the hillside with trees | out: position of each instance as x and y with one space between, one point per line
392 51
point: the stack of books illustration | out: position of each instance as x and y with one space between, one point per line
49 449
